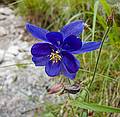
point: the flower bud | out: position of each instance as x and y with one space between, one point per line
90 113
110 19
73 89
55 88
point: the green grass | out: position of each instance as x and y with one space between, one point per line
53 14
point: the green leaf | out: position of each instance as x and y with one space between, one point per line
94 23
48 115
106 6
35 114
84 114
94 18
95 107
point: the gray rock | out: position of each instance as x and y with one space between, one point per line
2 17
13 50
6 11
3 31
22 88
2 54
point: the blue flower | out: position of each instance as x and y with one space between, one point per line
55 52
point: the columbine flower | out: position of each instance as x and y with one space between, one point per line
55 53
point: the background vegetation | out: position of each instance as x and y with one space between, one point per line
53 14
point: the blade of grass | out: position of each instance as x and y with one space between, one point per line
105 6
94 18
95 107
102 75
94 23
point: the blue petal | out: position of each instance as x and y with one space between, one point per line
52 69
72 43
71 63
41 49
37 32
56 38
74 28
66 73
87 47
40 61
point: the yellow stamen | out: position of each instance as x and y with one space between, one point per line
55 57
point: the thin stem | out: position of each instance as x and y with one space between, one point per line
71 106
17 64
104 37
70 99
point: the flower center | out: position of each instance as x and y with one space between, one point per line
55 57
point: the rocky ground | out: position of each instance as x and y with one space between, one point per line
22 88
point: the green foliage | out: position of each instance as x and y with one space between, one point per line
49 12
95 107
51 110
53 14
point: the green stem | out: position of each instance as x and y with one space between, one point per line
94 73
70 99
73 114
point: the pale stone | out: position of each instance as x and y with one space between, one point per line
13 50
2 52
3 31
5 11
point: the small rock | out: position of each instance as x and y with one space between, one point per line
20 56
24 46
13 50
3 31
5 11
10 79
2 17
9 56
1 55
